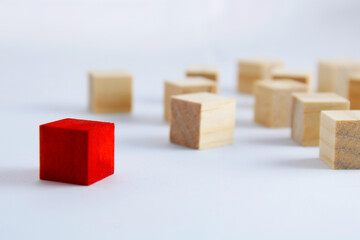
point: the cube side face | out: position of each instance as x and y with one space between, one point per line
111 94
169 91
327 139
342 78
63 155
264 104
185 123
217 125
312 120
347 154
354 93
101 152
297 120
211 76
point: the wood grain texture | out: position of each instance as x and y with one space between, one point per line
273 102
255 69
333 75
184 86
354 91
202 120
305 122
110 91
340 139
302 76
209 72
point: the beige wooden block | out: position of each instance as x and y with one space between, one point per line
354 91
305 121
340 139
209 72
110 91
255 69
273 102
333 75
187 85
297 75
202 120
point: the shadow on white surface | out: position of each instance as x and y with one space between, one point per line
11 177
275 141
245 123
308 163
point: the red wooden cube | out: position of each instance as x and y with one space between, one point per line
76 151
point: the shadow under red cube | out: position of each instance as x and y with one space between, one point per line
76 151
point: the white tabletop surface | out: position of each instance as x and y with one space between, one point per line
264 186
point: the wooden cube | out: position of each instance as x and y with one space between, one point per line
76 151
340 139
305 121
354 91
187 85
273 102
110 91
202 120
297 75
209 72
255 69
333 75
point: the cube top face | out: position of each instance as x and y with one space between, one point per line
260 62
355 77
192 82
76 151
77 124
320 98
202 121
338 62
286 84
202 69
343 115
106 74
339 139
206 100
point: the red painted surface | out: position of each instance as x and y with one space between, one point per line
76 151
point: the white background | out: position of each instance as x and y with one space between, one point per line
264 186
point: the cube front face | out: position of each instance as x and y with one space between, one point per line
185 123
273 102
208 72
110 93
182 87
305 125
77 155
339 139
250 71
202 125
299 76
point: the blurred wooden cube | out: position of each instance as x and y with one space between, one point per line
273 102
340 139
354 91
187 85
202 120
110 91
305 125
255 69
209 72
297 75
333 75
